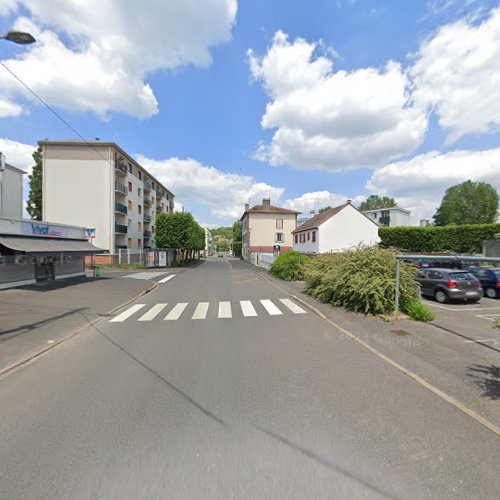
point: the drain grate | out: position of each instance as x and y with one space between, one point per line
400 332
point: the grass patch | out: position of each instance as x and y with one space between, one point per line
416 310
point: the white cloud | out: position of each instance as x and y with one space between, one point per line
333 120
457 71
223 194
319 199
7 6
17 154
419 184
111 46
9 108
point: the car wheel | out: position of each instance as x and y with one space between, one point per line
491 293
441 296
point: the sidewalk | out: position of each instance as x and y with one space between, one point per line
34 318
466 370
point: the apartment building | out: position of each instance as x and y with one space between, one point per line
97 185
390 217
264 227
11 190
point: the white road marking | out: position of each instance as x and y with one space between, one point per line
153 312
176 312
292 306
489 317
201 310
126 314
145 276
225 310
168 278
460 309
247 308
270 307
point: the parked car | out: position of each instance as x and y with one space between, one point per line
447 284
489 278
221 254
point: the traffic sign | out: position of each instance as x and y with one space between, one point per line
277 248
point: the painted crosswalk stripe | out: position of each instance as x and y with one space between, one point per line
176 312
247 308
270 307
201 310
225 310
126 314
292 306
153 312
168 278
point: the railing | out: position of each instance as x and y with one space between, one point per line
121 167
120 188
120 228
147 201
147 218
147 234
120 208
148 186
159 194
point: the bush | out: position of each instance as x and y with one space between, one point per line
237 248
289 266
416 310
460 239
361 279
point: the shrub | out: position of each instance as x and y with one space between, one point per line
289 266
467 238
361 279
416 310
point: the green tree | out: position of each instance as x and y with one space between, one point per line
174 230
374 202
222 246
236 236
468 203
34 205
325 209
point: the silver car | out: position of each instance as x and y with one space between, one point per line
446 285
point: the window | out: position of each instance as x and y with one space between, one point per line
139 226
139 243
139 209
129 187
314 236
308 236
129 223
296 238
129 205
130 242
139 173
139 192
279 238
130 169
153 185
153 229
279 223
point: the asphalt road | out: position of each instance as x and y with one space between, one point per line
250 400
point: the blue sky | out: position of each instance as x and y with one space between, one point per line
183 94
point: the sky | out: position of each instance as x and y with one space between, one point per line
227 102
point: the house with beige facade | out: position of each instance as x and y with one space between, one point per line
11 190
334 230
97 185
265 226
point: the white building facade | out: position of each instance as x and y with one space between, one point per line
99 186
335 230
11 190
389 217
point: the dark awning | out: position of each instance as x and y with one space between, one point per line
46 246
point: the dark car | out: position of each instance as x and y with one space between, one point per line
489 278
447 284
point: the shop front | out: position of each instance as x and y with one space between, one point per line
34 252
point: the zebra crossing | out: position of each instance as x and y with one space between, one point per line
151 276
202 310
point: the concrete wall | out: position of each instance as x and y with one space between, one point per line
11 194
78 189
263 229
491 248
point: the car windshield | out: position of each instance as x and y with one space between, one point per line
497 274
462 276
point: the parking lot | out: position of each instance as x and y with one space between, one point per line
474 322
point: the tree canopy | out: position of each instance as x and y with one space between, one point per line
374 202
34 205
468 203
324 209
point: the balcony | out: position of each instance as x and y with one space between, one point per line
148 186
120 167
120 188
121 228
147 201
120 208
159 209
159 194
147 234
147 218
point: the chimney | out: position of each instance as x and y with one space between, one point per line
349 202
247 206
266 202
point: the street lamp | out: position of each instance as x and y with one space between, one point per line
19 37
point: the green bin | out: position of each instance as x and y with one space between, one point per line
97 271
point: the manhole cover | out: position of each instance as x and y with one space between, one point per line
400 332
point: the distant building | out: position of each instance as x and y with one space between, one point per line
265 226
11 190
334 230
209 243
100 186
425 222
391 217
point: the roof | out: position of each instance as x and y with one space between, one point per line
95 142
43 246
268 209
318 219
11 167
389 208
322 217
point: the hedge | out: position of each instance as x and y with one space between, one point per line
289 266
461 239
